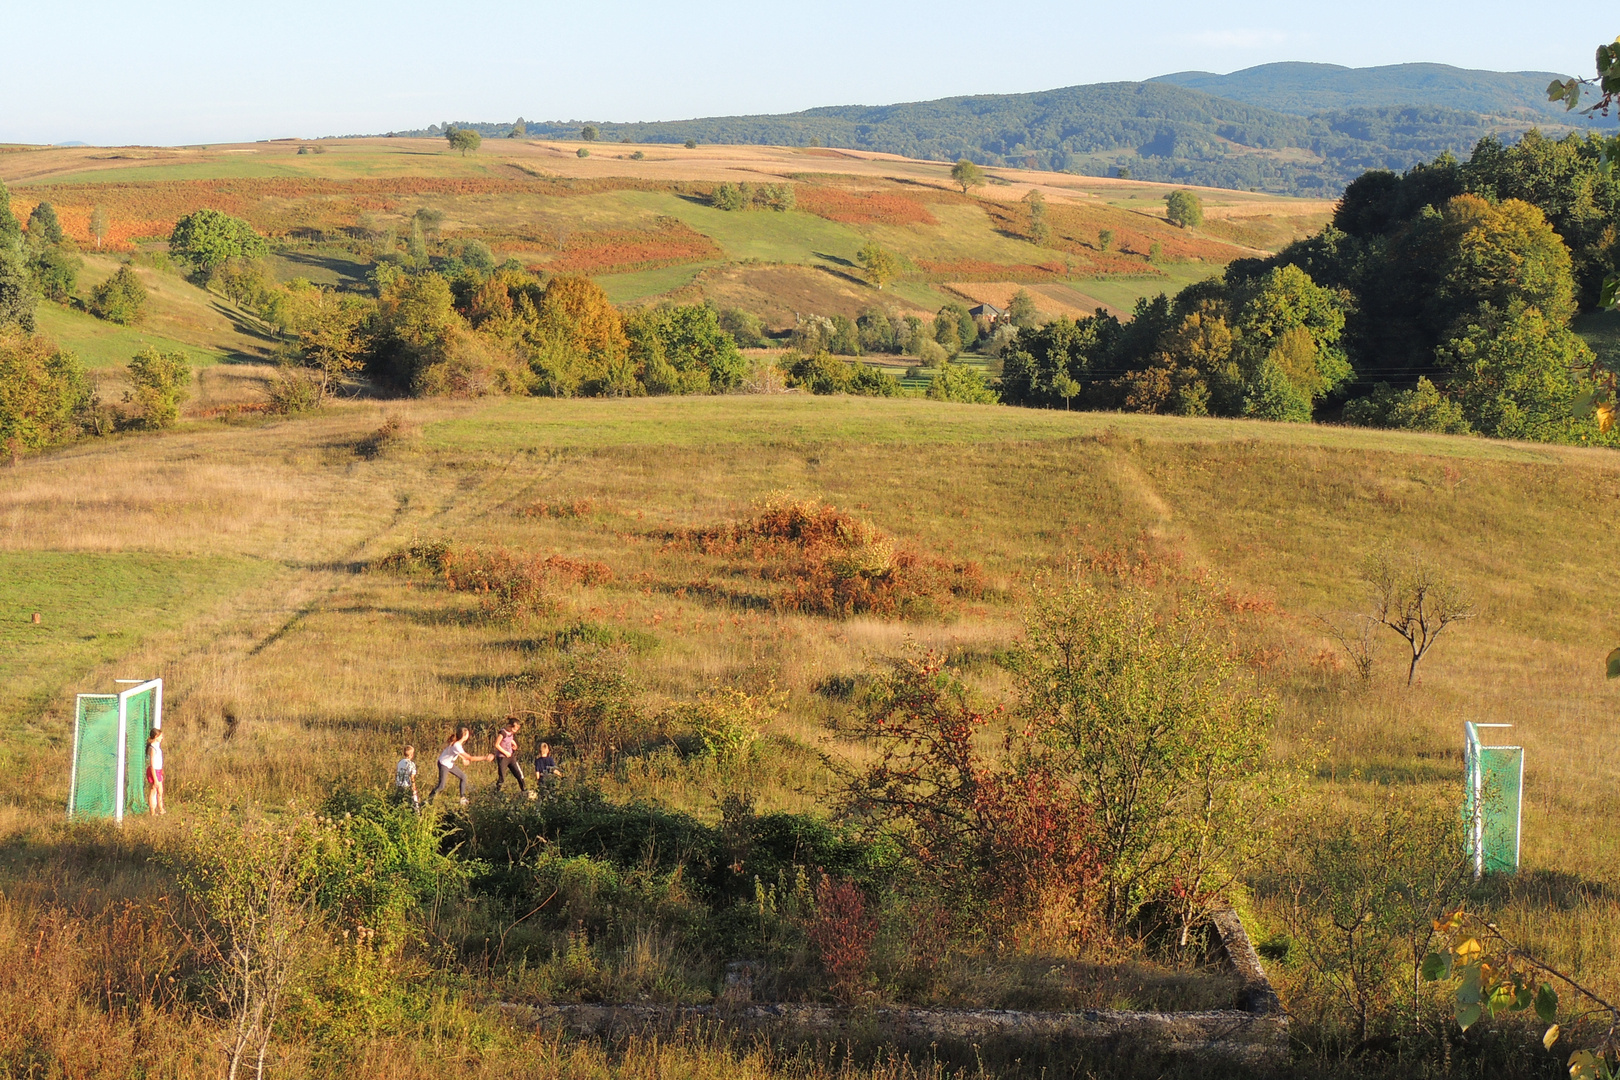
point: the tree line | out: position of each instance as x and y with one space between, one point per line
1439 299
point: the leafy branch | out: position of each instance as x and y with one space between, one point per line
1496 975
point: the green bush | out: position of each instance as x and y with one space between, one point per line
957 382
43 393
1422 408
55 273
120 299
824 373
161 382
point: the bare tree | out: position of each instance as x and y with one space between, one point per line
1354 633
1416 599
255 893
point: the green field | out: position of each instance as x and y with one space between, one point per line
95 608
101 345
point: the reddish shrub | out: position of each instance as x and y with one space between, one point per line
508 582
832 563
1006 835
841 932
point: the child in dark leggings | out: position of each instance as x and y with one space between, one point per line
450 759
506 755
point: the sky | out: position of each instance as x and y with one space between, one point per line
168 72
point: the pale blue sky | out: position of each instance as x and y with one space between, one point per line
183 71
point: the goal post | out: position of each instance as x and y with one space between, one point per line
108 777
1493 802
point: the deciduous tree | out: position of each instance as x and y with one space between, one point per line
967 175
98 224
43 226
1185 209
881 266
209 238
42 392
465 139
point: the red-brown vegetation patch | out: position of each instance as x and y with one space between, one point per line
828 562
980 270
617 251
277 206
559 508
862 207
507 582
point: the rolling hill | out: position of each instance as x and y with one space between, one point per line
1308 89
1297 129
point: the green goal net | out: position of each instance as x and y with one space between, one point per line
1492 802
109 750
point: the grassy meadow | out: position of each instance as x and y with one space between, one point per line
237 561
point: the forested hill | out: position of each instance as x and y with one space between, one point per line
1308 89
1159 130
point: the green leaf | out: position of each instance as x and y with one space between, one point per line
1583 1065
1469 993
1546 1004
1467 1015
1522 996
1583 405
1555 89
1434 968
1614 664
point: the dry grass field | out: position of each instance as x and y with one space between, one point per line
237 561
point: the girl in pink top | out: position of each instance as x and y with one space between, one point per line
506 759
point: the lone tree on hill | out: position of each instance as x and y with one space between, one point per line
98 225
881 267
464 139
209 238
589 133
1415 599
1185 209
967 174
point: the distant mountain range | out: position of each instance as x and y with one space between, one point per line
1295 129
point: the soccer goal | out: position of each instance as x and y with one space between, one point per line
1493 802
109 750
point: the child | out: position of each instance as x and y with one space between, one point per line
405 779
450 759
506 754
545 766
154 772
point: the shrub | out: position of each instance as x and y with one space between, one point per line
1148 716
727 721
823 373
957 382
120 299
596 706
55 273
1008 840
43 393
293 391
831 563
841 930
1422 408
745 328
508 583
161 382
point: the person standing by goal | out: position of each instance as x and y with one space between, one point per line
154 773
